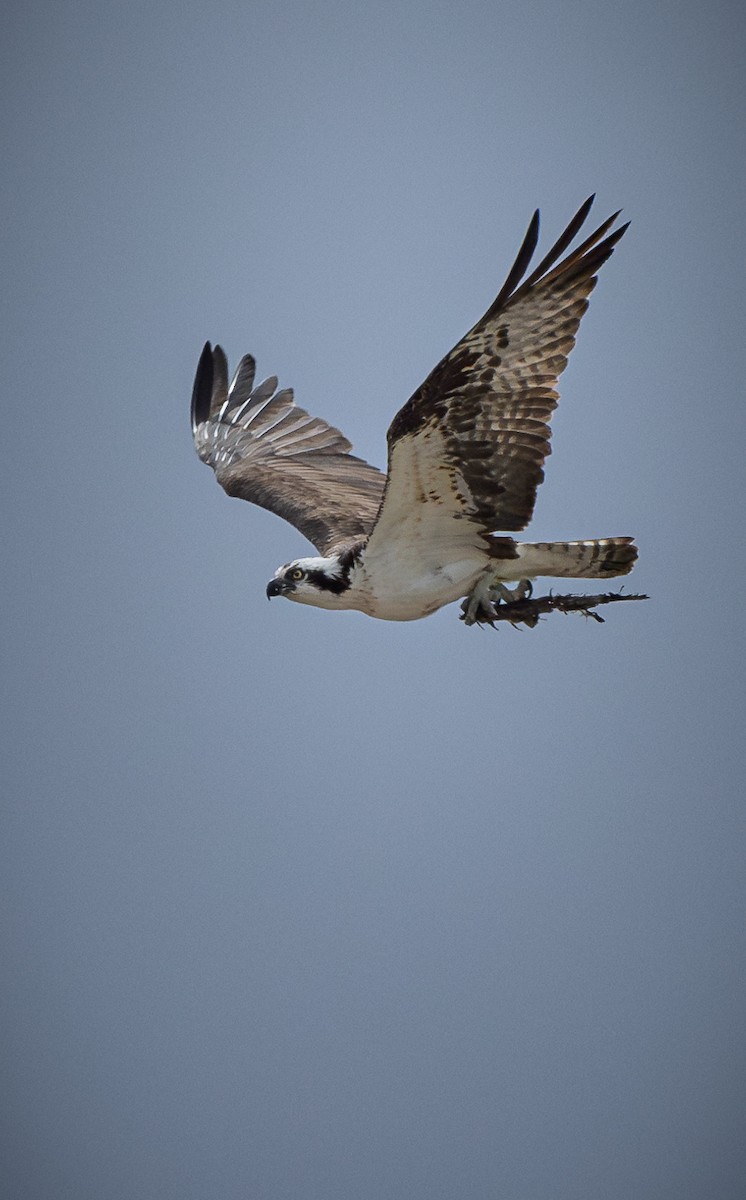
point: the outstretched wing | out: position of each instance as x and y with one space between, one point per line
265 449
471 442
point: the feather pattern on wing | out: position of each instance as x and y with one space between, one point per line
471 442
266 449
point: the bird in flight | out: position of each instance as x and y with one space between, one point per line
465 458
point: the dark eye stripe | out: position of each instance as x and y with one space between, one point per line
328 583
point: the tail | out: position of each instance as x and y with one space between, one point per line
601 558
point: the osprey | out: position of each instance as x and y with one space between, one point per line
465 457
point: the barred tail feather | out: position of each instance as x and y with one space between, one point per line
598 558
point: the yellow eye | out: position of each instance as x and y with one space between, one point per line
296 573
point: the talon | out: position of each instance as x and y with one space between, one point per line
476 612
499 592
478 608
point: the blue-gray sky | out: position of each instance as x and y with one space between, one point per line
299 905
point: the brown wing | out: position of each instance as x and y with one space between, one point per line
265 449
475 435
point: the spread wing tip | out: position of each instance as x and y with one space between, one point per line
587 257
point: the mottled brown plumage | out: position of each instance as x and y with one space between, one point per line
491 398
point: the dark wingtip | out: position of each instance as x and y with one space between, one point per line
203 385
520 266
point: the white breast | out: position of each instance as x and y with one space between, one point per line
406 585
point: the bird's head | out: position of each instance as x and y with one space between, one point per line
317 581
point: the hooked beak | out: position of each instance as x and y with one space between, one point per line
277 587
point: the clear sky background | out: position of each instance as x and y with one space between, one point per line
300 905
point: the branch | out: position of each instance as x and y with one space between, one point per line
527 612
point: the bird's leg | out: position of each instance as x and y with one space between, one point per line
499 593
478 607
